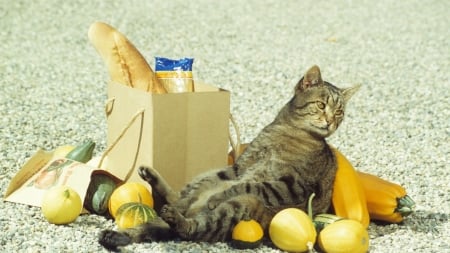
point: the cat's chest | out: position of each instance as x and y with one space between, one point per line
266 171
280 165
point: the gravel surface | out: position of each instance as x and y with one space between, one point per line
53 88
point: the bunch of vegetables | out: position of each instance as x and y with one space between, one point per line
130 204
293 230
362 196
62 204
358 197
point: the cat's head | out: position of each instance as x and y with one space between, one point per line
319 106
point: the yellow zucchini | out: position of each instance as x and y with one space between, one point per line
349 200
386 201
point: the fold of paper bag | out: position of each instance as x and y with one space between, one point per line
41 172
30 168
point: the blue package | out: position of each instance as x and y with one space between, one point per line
166 64
175 75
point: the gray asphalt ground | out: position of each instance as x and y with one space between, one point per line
53 89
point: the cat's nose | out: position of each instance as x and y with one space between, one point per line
330 120
331 124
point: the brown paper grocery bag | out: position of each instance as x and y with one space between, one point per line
179 134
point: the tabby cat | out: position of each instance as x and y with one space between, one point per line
287 162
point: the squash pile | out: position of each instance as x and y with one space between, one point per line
362 196
130 204
358 197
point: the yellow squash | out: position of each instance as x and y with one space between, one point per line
349 200
386 201
292 230
61 205
344 236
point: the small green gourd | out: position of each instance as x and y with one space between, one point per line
98 194
133 214
83 152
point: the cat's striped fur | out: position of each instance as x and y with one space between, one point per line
282 167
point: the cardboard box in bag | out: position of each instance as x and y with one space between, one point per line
179 134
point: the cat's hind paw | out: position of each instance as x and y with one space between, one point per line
111 240
148 174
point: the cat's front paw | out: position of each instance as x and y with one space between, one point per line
170 215
214 202
176 221
111 239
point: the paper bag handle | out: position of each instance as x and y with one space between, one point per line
108 110
235 146
109 105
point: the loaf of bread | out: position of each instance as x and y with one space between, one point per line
125 63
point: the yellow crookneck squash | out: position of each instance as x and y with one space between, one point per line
349 200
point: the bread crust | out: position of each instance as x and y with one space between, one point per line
125 63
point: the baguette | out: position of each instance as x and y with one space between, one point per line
125 63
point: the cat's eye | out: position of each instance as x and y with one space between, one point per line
320 105
338 113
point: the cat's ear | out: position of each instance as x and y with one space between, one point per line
311 78
349 92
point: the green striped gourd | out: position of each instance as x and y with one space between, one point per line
133 214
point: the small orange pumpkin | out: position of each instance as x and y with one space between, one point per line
247 234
